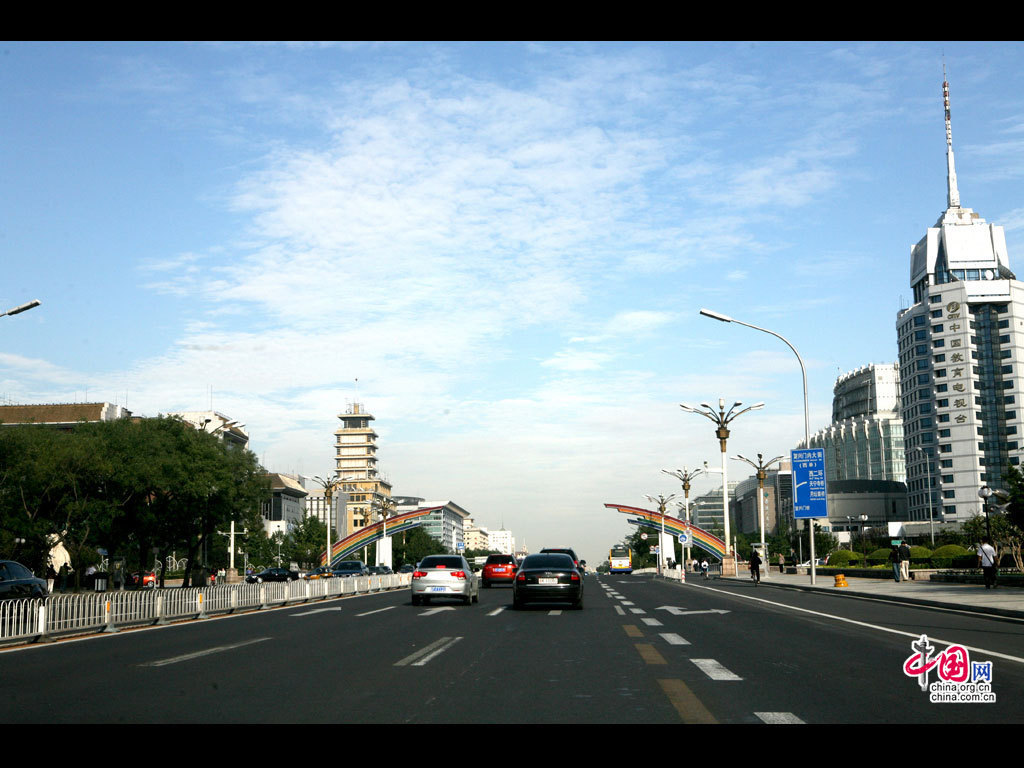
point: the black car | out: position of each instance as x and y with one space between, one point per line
551 577
272 574
565 551
17 581
351 568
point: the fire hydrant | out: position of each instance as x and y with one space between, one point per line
841 580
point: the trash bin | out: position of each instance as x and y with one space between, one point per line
101 579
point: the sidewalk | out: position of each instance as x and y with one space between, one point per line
1003 601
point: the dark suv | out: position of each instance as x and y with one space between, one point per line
565 551
351 568
499 569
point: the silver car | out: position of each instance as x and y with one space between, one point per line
445 576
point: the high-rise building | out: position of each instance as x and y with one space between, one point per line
959 345
865 439
355 461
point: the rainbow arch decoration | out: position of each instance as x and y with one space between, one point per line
701 538
345 548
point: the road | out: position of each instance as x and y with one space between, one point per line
641 651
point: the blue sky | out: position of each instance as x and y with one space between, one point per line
506 244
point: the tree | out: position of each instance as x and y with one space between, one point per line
306 541
417 544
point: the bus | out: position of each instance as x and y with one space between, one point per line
620 559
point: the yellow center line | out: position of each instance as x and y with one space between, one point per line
686 703
633 630
650 654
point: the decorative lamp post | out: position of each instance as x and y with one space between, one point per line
662 502
761 468
986 493
722 419
330 486
21 308
685 476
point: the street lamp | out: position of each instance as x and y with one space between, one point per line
685 476
21 308
928 470
760 467
722 420
986 493
803 372
662 502
330 486
384 506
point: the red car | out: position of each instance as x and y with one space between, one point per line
499 569
148 579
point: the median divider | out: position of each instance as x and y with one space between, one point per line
32 620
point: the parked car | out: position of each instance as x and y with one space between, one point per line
272 574
380 570
550 577
444 576
323 572
351 568
499 569
17 581
407 568
144 579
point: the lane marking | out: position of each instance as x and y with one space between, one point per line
673 639
496 611
432 611
637 610
689 707
316 610
555 613
423 655
914 635
618 610
652 622
632 630
199 654
779 718
650 654
370 613
714 670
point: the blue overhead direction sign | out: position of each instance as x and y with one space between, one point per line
810 497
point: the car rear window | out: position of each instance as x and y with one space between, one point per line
548 561
500 560
441 562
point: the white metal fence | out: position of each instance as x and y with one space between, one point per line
39 619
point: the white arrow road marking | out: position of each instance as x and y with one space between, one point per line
779 718
714 670
369 613
423 655
318 610
198 654
676 611
440 608
673 639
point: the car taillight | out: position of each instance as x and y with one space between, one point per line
521 577
458 574
418 574
575 577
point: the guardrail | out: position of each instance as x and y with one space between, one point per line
42 619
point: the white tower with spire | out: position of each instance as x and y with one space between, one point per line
961 347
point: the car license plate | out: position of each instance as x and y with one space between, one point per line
499 570
542 580
437 589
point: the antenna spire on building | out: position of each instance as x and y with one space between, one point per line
953 194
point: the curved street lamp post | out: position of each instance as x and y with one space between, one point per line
803 372
722 419
761 468
662 501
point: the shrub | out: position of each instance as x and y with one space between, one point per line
844 558
879 556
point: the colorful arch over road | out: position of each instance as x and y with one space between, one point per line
701 538
345 548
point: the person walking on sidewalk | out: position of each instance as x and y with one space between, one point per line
894 559
987 560
755 567
905 561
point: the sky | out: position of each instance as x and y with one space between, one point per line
499 249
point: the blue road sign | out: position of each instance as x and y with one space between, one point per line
810 498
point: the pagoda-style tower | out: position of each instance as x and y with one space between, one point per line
355 445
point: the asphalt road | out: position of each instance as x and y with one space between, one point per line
641 651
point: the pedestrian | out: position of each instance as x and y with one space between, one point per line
894 558
704 567
905 560
987 561
755 567
782 563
